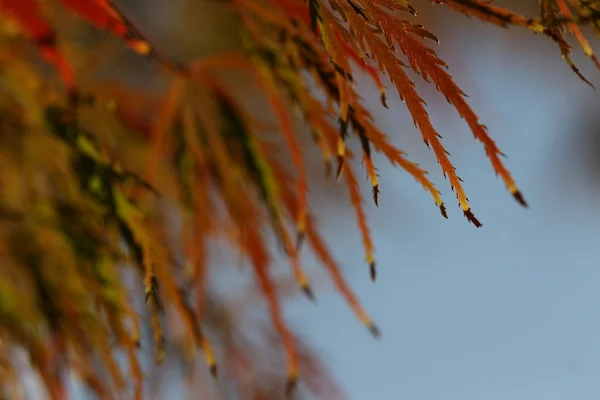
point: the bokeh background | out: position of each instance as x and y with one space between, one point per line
508 311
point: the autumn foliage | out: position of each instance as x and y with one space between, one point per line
82 207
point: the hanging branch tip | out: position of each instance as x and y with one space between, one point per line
214 370
373 270
520 199
308 291
290 386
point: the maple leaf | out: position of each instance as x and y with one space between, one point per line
554 16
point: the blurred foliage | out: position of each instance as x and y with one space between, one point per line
93 175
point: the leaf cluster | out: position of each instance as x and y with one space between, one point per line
81 208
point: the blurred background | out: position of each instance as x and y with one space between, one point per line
508 311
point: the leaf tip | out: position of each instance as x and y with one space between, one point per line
340 167
308 291
472 218
291 384
374 330
299 240
376 194
383 98
519 197
443 211
373 270
214 370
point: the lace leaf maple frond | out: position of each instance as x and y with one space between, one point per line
370 28
96 203
557 17
496 15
